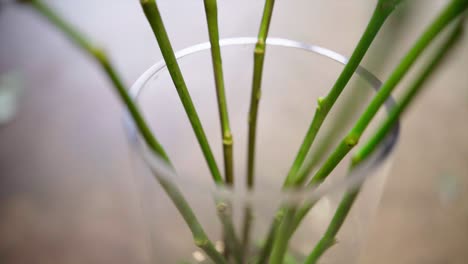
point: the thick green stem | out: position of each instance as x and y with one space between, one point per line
443 19
99 55
211 11
383 9
259 56
347 201
154 18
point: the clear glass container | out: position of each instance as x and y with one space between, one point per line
295 75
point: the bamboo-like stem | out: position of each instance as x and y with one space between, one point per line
259 56
348 199
231 242
450 12
199 235
151 11
379 54
445 17
211 11
200 238
268 245
246 227
281 237
382 11
100 57
296 176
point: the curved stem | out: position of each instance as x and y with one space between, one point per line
100 57
267 247
211 11
281 238
259 56
383 9
200 238
199 235
450 12
154 18
347 201
296 176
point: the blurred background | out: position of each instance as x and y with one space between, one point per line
65 194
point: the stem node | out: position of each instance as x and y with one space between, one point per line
200 242
351 140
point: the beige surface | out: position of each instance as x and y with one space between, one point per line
63 160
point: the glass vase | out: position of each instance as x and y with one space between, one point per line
295 75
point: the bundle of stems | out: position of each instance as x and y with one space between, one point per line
289 217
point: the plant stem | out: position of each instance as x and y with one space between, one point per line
347 201
246 226
450 12
380 53
199 235
151 11
99 55
296 176
280 244
229 237
259 56
444 18
231 241
211 11
328 239
200 238
266 249
383 9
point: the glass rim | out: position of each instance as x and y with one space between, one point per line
353 178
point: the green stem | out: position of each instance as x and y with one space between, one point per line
347 201
199 235
447 15
200 238
280 244
211 11
246 227
348 108
450 12
231 242
154 18
383 9
99 55
295 175
328 239
267 247
259 56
